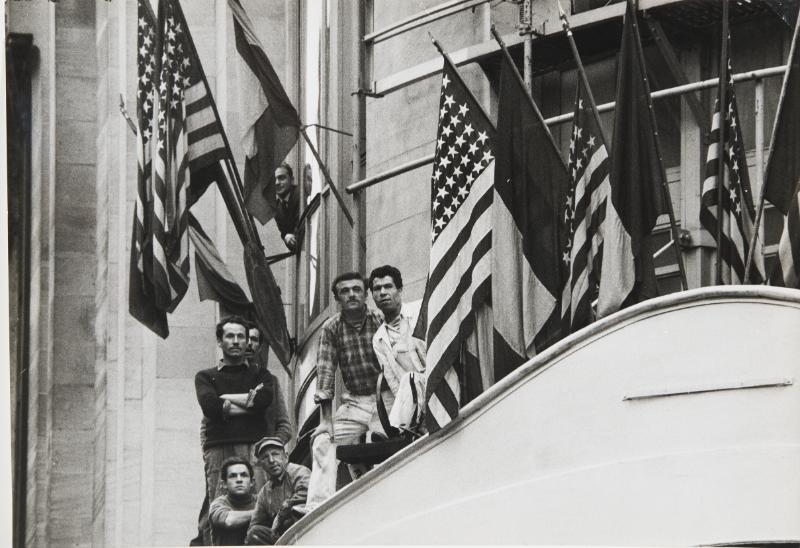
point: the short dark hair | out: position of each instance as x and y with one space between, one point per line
344 277
230 461
386 270
254 325
232 319
288 169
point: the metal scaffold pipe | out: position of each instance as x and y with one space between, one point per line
563 118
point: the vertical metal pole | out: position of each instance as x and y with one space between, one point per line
527 25
662 172
723 111
759 112
764 173
294 67
359 134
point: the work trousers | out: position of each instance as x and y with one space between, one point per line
354 416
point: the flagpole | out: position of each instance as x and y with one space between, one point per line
327 175
765 179
581 71
449 60
664 183
723 111
230 165
522 85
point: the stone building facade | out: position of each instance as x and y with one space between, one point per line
105 418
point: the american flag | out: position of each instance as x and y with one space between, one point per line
584 215
141 290
459 279
738 212
188 139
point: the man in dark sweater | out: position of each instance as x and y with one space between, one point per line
233 397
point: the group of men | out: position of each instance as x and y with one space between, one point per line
253 493
244 431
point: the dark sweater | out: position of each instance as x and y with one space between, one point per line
222 429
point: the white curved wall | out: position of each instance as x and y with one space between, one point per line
558 456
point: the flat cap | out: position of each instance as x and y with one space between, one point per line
269 441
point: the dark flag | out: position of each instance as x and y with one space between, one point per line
267 301
271 120
531 184
459 280
636 174
587 219
737 211
782 174
141 292
785 9
783 166
787 268
214 280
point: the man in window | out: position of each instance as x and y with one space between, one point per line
230 513
287 206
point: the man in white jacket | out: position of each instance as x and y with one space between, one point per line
401 356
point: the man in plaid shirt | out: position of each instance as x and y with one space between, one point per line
346 343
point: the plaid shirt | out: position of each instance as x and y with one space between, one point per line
348 347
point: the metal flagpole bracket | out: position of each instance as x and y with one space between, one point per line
368 93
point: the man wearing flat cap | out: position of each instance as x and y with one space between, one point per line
286 487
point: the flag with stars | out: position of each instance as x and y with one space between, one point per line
188 147
736 213
141 292
584 215
459 279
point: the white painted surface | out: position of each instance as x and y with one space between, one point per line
554 455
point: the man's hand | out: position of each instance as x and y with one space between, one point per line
291 241
236 399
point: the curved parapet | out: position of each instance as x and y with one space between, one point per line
676 421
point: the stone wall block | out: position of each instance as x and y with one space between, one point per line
70 451
73 409
72 58
185 360
69 276
75 143
74 358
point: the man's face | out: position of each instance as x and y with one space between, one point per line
351 294
233 341
238 480
274 461
283 181
253 340
388 298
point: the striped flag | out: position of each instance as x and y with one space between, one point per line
737 211
188 140
530 186
584 216
141 292
459 279
269 118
